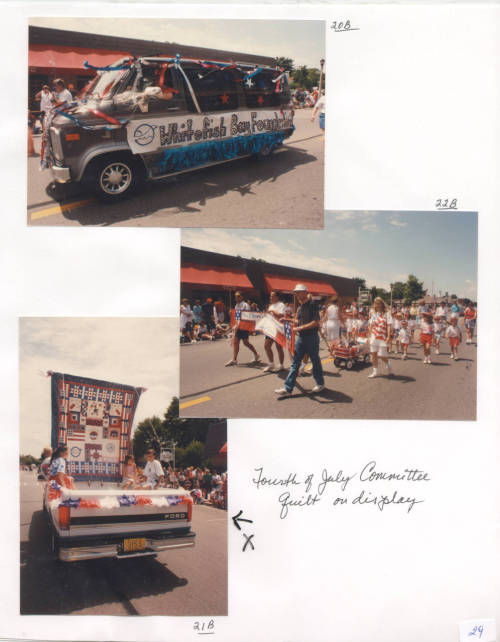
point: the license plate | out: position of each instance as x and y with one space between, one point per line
134 544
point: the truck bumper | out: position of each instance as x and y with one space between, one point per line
61 174
153 546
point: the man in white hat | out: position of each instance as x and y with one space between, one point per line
306 342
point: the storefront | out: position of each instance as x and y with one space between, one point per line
210 274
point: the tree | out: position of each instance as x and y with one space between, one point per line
284 63
360 283
191 455
171 428
300 77
413 289
375 292
398 289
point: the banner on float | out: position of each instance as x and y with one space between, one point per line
165 132
93 419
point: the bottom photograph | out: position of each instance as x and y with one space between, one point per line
123 504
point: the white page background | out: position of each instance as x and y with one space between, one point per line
412 117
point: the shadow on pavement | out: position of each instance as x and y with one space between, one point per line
187 192
52 587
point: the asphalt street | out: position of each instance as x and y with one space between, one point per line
446 389
185 582
284 191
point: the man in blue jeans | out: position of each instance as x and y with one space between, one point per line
307 342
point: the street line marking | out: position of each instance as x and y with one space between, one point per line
323 361
59 209
194 402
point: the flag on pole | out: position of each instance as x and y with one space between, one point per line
280 332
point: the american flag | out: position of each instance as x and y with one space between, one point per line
289 336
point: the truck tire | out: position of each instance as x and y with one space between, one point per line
348 364
115 176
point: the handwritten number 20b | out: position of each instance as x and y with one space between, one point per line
341 26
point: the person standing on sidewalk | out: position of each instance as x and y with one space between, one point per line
306 342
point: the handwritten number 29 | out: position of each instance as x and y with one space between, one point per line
477 630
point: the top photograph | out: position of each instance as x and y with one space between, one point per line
176 123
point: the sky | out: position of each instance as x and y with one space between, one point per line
136 352
439 248
301 40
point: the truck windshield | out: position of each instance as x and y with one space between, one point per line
103 83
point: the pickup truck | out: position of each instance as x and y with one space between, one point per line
151 117
98 518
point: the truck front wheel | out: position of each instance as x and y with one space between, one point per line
114 177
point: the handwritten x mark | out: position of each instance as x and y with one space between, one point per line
248 538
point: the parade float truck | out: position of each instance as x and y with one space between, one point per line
99 518
152 117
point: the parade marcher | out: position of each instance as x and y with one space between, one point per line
404 338
277 309
380 328
395 328
470 316
333 317
454 335
438 328
455 310
306 342
426 333
320 107
241 335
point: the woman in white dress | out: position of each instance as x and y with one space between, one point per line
333 319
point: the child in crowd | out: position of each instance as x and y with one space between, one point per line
396 327
454 335
404 337
426 332
412 325
130 476
438 328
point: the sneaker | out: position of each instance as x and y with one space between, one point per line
373 375
282 392
318 388
437 351
280 368
269 368
451 355
403 357
256 359
302 371
231 362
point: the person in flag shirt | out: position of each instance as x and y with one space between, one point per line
379 329
306 326
278 309
241 335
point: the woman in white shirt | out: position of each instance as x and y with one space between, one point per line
278 309
333 319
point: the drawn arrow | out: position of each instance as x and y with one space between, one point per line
237 518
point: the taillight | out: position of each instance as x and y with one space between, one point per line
189 502
72 136
64 515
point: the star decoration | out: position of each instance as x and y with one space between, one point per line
224 98
249 82
260 100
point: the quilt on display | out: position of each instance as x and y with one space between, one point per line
94 419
